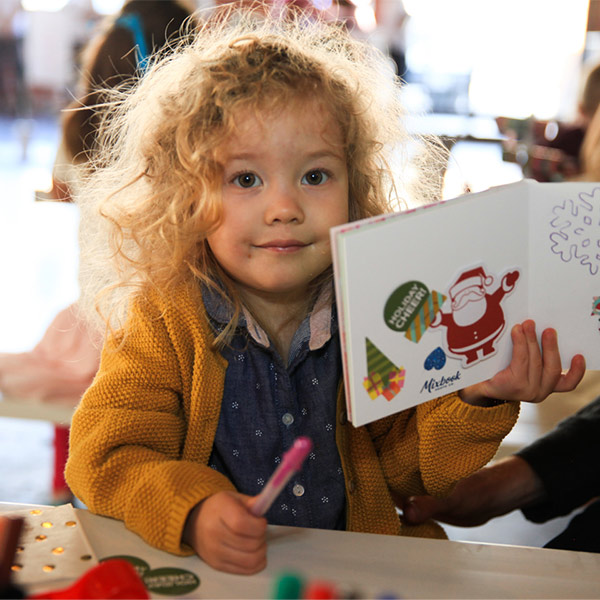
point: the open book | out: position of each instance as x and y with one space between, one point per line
427 297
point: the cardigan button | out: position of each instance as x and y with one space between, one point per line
351 486
343 417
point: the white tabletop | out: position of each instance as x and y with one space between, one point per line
373 565
59 413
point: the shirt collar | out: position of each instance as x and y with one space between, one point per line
317 324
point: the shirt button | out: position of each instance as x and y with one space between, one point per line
287 419
298 490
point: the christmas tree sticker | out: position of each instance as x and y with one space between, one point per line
385 378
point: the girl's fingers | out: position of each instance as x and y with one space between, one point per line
519 364
570 380
534 354
552 366
244 564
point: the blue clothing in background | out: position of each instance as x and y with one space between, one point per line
133 23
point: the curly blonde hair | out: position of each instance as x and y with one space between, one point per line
153 194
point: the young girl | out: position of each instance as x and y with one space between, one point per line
224 171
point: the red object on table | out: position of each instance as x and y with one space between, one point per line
115 578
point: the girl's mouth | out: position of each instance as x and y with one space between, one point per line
286 246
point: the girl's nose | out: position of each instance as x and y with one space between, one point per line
283 206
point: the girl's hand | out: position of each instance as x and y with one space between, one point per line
226 535
532 374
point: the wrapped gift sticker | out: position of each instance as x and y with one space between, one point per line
412 308
385 378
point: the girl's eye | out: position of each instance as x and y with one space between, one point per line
246 180
316 177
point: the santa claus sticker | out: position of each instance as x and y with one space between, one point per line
476 318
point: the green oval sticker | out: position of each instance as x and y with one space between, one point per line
170 581
404 304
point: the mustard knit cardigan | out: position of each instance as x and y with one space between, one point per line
143 433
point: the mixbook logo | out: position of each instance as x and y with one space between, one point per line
433 384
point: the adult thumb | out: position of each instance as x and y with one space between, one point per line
417 509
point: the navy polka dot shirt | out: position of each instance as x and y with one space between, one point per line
267 405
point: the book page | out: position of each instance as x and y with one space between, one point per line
565 266
427 298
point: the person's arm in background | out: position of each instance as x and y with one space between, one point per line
548 478
494 490
566 461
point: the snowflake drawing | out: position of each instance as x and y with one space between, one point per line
312 456
329 427
315 381
285 507
235 405
324 499
236 452
260 481
258 433
576 235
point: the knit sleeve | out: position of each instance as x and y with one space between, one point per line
427 449
128 435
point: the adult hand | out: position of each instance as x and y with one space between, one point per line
533 373
226 535
494 490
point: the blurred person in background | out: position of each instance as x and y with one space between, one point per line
64 362
554 150
12 100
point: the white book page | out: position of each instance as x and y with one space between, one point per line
393 265
565 266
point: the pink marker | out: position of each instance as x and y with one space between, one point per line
292 461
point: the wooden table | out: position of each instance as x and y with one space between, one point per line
373 565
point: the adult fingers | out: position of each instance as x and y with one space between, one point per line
417 509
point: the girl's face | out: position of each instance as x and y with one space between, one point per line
285 184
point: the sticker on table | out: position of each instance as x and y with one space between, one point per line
167 581
52 546
385 378
411 308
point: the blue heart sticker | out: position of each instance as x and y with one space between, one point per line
436 360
